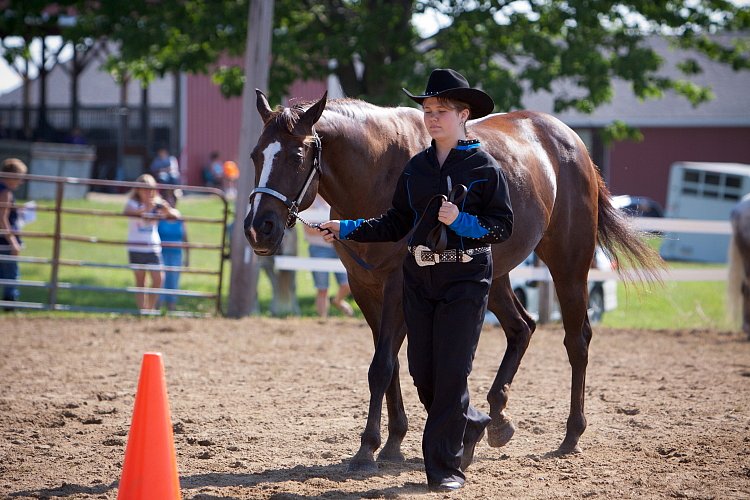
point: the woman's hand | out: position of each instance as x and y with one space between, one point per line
448 213
330 230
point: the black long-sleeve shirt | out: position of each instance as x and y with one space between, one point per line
486 214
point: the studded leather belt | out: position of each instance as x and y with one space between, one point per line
426 257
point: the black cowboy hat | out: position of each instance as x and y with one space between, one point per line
451 84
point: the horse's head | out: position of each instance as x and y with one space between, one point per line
287 171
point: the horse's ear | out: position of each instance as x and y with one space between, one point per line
312 115
263 107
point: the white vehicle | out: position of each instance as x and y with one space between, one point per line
602 294
706 191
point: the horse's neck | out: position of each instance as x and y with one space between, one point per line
363 157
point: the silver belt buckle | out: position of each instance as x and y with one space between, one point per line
465 257
418 251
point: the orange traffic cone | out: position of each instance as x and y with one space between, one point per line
150 467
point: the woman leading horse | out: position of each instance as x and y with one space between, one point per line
353 153
448 271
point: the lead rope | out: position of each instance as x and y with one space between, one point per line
352 253
437 238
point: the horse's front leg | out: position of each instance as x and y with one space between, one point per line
397 422
518 327
386 320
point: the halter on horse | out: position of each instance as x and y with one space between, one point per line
294 205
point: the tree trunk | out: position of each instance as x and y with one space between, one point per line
76 69
146 123
43 129
242 286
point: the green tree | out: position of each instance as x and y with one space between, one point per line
157 38
21 24
507 47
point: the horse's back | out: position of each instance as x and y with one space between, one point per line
549 173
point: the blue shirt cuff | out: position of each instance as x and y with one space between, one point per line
347 226
468 225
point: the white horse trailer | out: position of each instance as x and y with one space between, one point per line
702 191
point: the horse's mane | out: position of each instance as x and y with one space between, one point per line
345 106
353 108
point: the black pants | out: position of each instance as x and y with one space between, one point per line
444 305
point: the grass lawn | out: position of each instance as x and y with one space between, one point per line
675 305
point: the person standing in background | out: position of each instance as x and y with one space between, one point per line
231 173
319 212
10 243
165 168
173 231
76 137
145 207
213 173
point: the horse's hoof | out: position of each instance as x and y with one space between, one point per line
391 454
363 466
567 448
499 433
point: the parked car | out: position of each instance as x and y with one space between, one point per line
638 206
602 294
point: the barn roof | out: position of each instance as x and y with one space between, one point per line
729 108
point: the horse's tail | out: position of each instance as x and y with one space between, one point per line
735 277
626 246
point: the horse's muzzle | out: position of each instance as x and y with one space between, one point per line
264 232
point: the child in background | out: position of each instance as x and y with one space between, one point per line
10 243
173 231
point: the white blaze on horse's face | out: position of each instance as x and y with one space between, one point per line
269 154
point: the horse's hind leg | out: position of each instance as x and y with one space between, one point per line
518 327
570 279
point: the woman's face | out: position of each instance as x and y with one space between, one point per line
443 121
146 194
12 183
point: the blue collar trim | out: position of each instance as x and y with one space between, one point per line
466 145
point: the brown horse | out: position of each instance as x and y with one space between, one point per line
738 281
353 152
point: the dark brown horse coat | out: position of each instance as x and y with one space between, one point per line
561 210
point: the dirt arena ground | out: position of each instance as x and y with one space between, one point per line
267 408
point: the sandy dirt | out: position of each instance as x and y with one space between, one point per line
266 408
